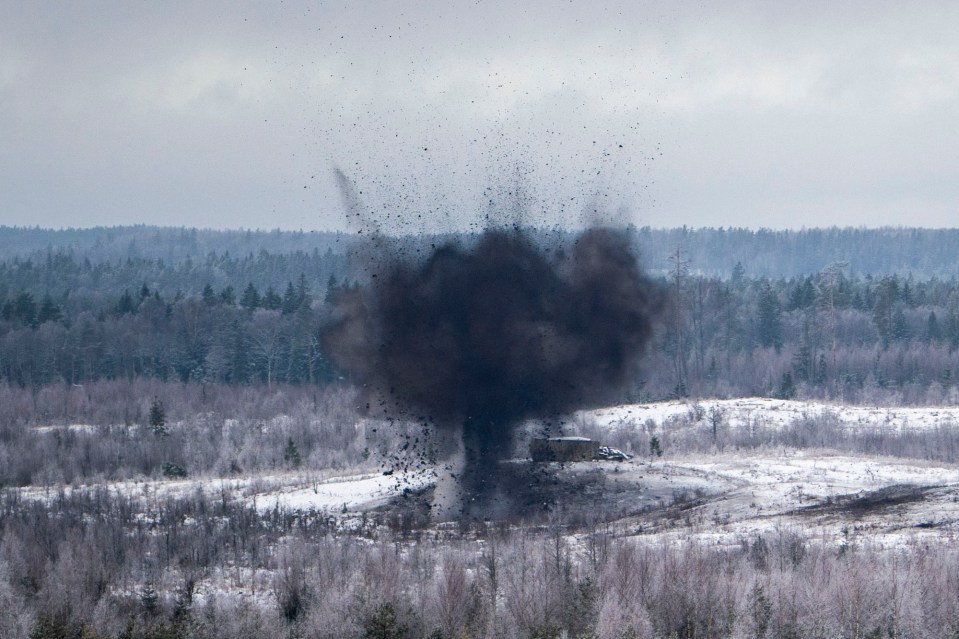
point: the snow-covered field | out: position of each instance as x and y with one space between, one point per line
286 491
719 497
746 412
726 497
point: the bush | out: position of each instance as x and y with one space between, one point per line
383 623
174 471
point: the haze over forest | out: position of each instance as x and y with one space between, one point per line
714 251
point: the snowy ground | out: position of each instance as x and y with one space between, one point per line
745 412
723 497
286 491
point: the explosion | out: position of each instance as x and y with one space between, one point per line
477 339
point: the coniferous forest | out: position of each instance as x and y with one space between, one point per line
845 314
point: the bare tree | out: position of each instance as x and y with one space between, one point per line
265 334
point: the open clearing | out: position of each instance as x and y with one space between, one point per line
720 496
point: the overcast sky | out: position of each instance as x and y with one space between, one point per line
235 114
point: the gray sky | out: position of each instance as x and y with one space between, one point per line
234 114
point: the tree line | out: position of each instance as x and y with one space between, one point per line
212 336
830 334
925 253
826 335
63 275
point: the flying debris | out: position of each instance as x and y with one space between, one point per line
478 336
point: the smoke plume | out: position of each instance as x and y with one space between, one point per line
476 338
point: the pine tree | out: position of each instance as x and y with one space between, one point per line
770 330
158 417
884 307
251 298
952 328
149 599
302 292
787 388
209 297
655 448
290 300
738 276
331 288
228 296
49 311
759 608
125 305
384 623
291 454
933 333
25 308
803 362
821 370
900 329
271 300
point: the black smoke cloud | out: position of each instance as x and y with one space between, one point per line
482 336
